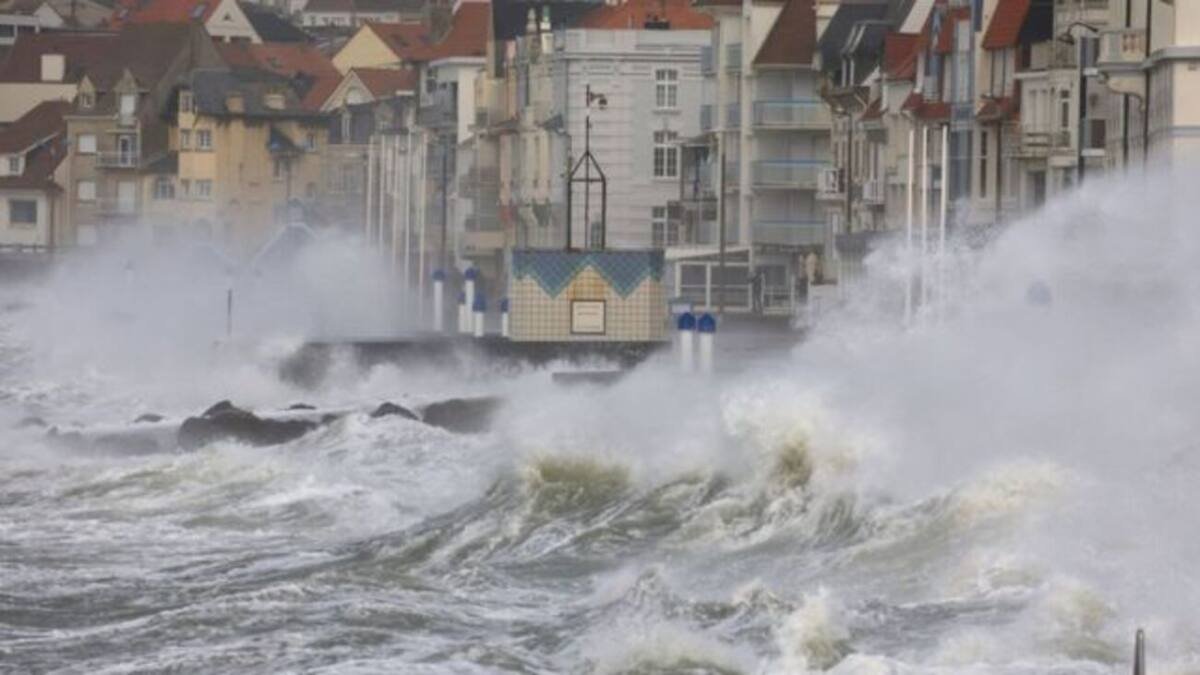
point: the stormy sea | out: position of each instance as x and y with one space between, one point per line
1006 483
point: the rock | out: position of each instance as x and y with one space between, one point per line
31 421
148 418
301 406
387 408
224 421
219 406
462 415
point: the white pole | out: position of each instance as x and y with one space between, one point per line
408 162
395 201
908 225
707 327
926 175
945 208
382 190
687 342
504 318
479 317
438 301
462 314
420 206
370 190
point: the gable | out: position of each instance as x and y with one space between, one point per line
365 49
227 20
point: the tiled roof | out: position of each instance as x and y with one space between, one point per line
147 52
926 110
162 11
468 33
900 52
838 30
298 62
385 82
211 89
39 134
42 122
1005 26
409 41
270 26
673 14
364 6
792 41
24 62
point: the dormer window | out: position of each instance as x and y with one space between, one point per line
128 105
185 101
14 165
86 100
273 101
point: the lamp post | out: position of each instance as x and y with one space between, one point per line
587 162
1067 37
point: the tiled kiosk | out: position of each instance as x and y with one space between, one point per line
560 296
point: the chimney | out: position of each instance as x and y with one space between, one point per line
531 22
54 67
234 102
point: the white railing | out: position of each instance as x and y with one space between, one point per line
1122 47
792 114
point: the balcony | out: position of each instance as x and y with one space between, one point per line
119 159
1035 143
1122 49
706 118
788 232
708 61
873 193
792 114
733 56
733 115
788 174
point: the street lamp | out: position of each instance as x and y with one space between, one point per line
587 162
1067 37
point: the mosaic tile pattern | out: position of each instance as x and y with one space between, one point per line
637 316
554 270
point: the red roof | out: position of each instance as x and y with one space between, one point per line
926 110
42 122
1005 26
24 62
287 59
900 52
162 11
676 14
385 82
468 33
409 41
793 39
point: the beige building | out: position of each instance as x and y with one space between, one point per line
32 177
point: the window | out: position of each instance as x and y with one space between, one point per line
86 100
204 189
278 169
666 88
666 154
983 164
85 190
1064 103
203 139
310 142
128 105
164 188
185 188
185 101
185 139
658 226
14 165
22 212
86 144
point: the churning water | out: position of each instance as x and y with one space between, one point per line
1005 487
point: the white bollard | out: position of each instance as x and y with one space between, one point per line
687 341
504 318
480 308
707 327
469 286
462 313
439 308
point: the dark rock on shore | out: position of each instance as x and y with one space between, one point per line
462 415
301 406
224 421
387 409
148 417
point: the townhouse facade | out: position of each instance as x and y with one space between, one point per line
33 178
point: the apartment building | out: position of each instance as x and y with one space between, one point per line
356 13
249 159
1149 60
118 126
767 131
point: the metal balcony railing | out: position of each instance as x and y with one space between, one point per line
1122 49
792 114
797 174
127 159
806 232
